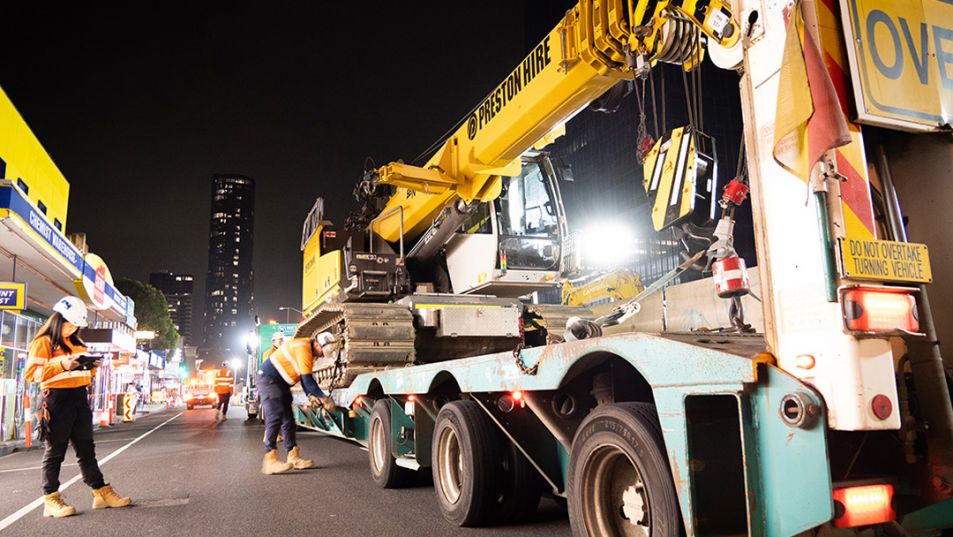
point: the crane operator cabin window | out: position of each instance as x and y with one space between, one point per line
527 221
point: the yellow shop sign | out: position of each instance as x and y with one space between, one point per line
901 60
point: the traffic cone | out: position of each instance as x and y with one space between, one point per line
28 422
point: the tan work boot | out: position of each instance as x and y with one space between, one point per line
294 459
106 497
56 507
272 465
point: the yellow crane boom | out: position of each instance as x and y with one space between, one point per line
596 45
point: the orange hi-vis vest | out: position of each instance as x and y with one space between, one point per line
224 379
45 365
293 359
268 353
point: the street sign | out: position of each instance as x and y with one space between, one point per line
901 61
12 296
885 261
128 406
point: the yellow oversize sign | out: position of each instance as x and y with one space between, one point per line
901 59
885 261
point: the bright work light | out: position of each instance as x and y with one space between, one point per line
606 245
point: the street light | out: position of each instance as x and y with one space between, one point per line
288 310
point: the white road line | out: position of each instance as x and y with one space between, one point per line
108 440
33 468
5 523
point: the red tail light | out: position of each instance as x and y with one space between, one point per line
863 506
880 310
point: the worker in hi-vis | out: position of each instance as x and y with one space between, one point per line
276 340
224 382
291 363
57 360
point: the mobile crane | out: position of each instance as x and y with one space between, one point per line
489 181
834 418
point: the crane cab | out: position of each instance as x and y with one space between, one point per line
513 245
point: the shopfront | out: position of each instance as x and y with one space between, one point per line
39 264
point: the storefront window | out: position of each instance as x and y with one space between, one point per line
16 333
26 329
8 329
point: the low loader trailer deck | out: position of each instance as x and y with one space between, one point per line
732 429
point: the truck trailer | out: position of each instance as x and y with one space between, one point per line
825 411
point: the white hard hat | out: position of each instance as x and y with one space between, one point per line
73 310
277 335
325 338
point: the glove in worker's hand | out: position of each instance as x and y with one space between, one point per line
322 402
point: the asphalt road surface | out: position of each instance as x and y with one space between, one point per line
190 476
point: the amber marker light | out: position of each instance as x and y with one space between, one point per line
805 361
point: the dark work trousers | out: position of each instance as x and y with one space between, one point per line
276 402
223 402
71 420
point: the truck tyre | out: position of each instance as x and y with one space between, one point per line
619 479
466 452
520 486
384 469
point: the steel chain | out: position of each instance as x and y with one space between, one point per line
519 361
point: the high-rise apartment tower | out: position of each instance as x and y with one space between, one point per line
229 282
177 289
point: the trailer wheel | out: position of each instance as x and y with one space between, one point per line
520 487
466 451
384 469
619 479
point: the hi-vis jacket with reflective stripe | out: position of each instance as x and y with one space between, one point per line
268 353
293 359
45 365
224 379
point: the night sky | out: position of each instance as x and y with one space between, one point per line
139 108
